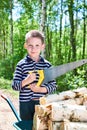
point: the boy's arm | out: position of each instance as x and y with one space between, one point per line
19 82
17 79
46 88
51 86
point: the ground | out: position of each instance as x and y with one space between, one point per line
7 117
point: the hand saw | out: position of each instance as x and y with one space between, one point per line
52 73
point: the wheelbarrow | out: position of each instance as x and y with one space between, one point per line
21 124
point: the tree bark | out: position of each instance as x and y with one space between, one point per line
75 113
43 19
67 125
72 35
44 110
38 124
63 96
60 43
84 30
68 105
11 32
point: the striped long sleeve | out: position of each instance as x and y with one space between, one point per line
22 70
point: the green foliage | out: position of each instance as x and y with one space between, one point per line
5 84
6 68
57 32
71 81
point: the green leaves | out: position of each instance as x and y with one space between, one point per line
71 81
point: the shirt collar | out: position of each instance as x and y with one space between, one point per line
29 59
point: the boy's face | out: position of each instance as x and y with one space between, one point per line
34 46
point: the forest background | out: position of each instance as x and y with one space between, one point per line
64 24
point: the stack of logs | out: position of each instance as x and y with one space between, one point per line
64 111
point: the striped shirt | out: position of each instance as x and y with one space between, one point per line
22 70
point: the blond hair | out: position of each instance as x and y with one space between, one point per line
34 33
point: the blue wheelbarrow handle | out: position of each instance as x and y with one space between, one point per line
20 125
11 106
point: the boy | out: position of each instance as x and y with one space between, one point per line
25 82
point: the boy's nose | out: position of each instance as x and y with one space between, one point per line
33 47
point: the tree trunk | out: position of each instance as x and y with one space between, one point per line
4 44
84 30
72 35
43 20
11 32
11 27
60 43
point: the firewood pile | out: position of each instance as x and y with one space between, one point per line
64 111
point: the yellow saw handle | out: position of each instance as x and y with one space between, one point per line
41 76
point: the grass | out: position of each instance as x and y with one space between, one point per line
6 86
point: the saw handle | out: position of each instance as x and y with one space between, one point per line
41 76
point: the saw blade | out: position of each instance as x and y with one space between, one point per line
54 72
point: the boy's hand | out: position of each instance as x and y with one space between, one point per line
34 88
29 79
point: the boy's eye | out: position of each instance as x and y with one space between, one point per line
37 45
30 45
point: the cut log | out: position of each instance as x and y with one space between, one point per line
80 91
63 96
85 100
70 112
38 124
57 97
43 110
48 99
78 101
67 125
64 111
53 125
